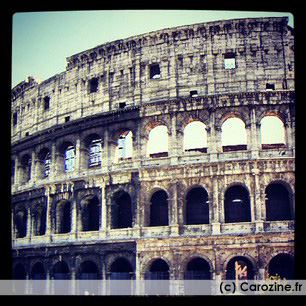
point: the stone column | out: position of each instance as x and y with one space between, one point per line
136 149
17 171
48 212
54 162
102 226
105 152
74 217
254 140
173 210
215 208
29 224
259 224
33 166
77 159
172 147
215 141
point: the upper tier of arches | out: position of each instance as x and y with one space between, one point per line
160 66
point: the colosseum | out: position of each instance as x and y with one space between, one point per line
121 167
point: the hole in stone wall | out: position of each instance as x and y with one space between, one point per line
46 103
93 85
154 71
270 86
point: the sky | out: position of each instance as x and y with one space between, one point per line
42 41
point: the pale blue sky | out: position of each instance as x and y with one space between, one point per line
42 40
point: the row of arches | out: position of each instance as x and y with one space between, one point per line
195 138
159 268
233 135
278 203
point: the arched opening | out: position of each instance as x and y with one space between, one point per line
278 204
38 271
67 156
122 215
121 269
195 137
237 205
93 144
197 268
197 206
239 268
233 136
158 142
282 265
19 272
61 270
90 214
159 209
44 162
89 270
124 149
159 270
69 159
39 221
63 217
21 219
272 132
26 167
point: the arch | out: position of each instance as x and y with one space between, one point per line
197 268
121 269
90 213
64 146
158 141
93 145
61 270
124 144
21 220
159 269
197 206
272 132
233 134
122 211
26 166
38 271
19 271
237 204
44 157
63 217
88 270
239 267
159 208
278 202
282 265
40 216
195 136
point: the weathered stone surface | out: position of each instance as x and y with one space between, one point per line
106 91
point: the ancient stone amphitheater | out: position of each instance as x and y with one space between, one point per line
121 168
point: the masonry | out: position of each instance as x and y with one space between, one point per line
89 198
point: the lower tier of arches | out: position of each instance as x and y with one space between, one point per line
230 257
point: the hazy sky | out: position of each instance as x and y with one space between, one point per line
42 40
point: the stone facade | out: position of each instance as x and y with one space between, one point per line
170 78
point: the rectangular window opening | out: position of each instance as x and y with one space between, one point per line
154 71
93 85
122 104
270 86
14 119
67 119
229 61
194 93
46 102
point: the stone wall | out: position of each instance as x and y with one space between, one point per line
92 92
